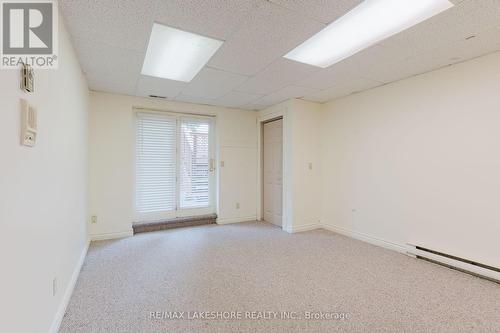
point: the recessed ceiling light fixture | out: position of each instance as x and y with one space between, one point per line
177 55
365 25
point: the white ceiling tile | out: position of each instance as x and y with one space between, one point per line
486 42
450 53
357 84
455 24
422 61
214 18
379 64
332 75
213 83
123 84
104 64
279 74
326 95
254 107
120 23
194 99
102 57
284 94
237 99
267 33
376 63
148 85
345 88
325 11
110 37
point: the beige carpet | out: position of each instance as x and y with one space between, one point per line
257 270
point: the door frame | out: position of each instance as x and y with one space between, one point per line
286 200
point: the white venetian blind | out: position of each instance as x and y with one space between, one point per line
194 173
156 163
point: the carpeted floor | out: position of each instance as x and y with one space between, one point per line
263 275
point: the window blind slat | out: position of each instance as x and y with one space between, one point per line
156 163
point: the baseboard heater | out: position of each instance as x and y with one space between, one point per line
464 265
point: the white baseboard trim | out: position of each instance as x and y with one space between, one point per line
112 235
366 238
301 228
56 323
236 220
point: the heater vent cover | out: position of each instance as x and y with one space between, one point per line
461 264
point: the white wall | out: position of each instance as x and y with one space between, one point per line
112 140
305 123
43 193
419 161
302 142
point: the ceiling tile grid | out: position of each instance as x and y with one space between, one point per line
467 18
124 24
249 71
254 107
284 94
193 99
333 75
148 85
344 88
325 11
379 64
213 83
121 84
103 63
279 74
269 32
212 18
451 53
237 99
326 95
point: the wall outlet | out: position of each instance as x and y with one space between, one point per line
237 205
221 164
54 286
310 166
93 219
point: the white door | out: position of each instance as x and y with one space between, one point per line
273 171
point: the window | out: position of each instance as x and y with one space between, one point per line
174 166
194 163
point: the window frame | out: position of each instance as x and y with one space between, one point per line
177 212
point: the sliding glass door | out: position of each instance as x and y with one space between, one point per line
174 166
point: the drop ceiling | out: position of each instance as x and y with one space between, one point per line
249 71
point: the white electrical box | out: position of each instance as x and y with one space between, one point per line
28 124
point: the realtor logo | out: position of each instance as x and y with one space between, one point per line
29 33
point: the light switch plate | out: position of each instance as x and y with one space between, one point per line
27 78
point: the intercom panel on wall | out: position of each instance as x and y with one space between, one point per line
27 78
28 124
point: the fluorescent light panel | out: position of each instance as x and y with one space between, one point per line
177 55
365 25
